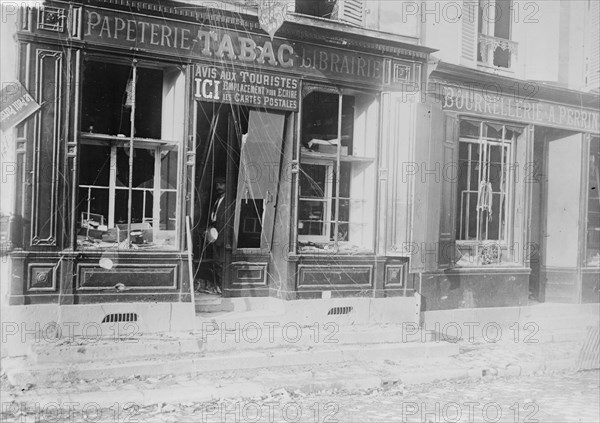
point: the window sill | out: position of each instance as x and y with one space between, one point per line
118 138
338 256
98 245
496 69
331 156
508 268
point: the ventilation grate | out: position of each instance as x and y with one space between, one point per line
120 317
336 311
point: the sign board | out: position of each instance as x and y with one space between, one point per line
522 110
232 48
246 87
16 105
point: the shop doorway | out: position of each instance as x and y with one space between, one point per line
219 131
555 176
241 146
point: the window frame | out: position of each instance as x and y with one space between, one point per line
508 192
171 140
368 163
593 195
506 236
488 43
327 200
488 26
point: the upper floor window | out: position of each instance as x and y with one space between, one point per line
495 47
131 130
347 11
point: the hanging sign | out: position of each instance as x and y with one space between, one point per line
16 105
271 15
246 87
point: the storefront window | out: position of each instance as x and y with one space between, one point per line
593 211
132 124
485 191
337 164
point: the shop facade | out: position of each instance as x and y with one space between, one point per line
520 211
344 177
144 105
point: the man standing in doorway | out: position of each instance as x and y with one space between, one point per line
217 223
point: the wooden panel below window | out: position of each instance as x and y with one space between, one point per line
310 276
395 275
133 276
248 274
42 277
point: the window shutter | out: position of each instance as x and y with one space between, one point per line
426 187
521 174
449 169
394 207
349 11
593 65
260 160
469 35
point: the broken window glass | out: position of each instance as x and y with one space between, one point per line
336 176
258 179
131 128
485 191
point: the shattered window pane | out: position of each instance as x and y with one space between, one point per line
485 189
112 200
336 178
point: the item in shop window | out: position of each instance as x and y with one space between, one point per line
211 235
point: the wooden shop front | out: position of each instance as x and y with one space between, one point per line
521 197
142 106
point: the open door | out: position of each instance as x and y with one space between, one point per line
258 180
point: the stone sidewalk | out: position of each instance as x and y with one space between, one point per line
476 359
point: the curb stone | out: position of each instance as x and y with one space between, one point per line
204 391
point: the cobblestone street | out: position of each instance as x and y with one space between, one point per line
550 397
558 397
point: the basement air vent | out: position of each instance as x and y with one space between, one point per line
120 317
336 311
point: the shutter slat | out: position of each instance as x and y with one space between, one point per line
351 11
